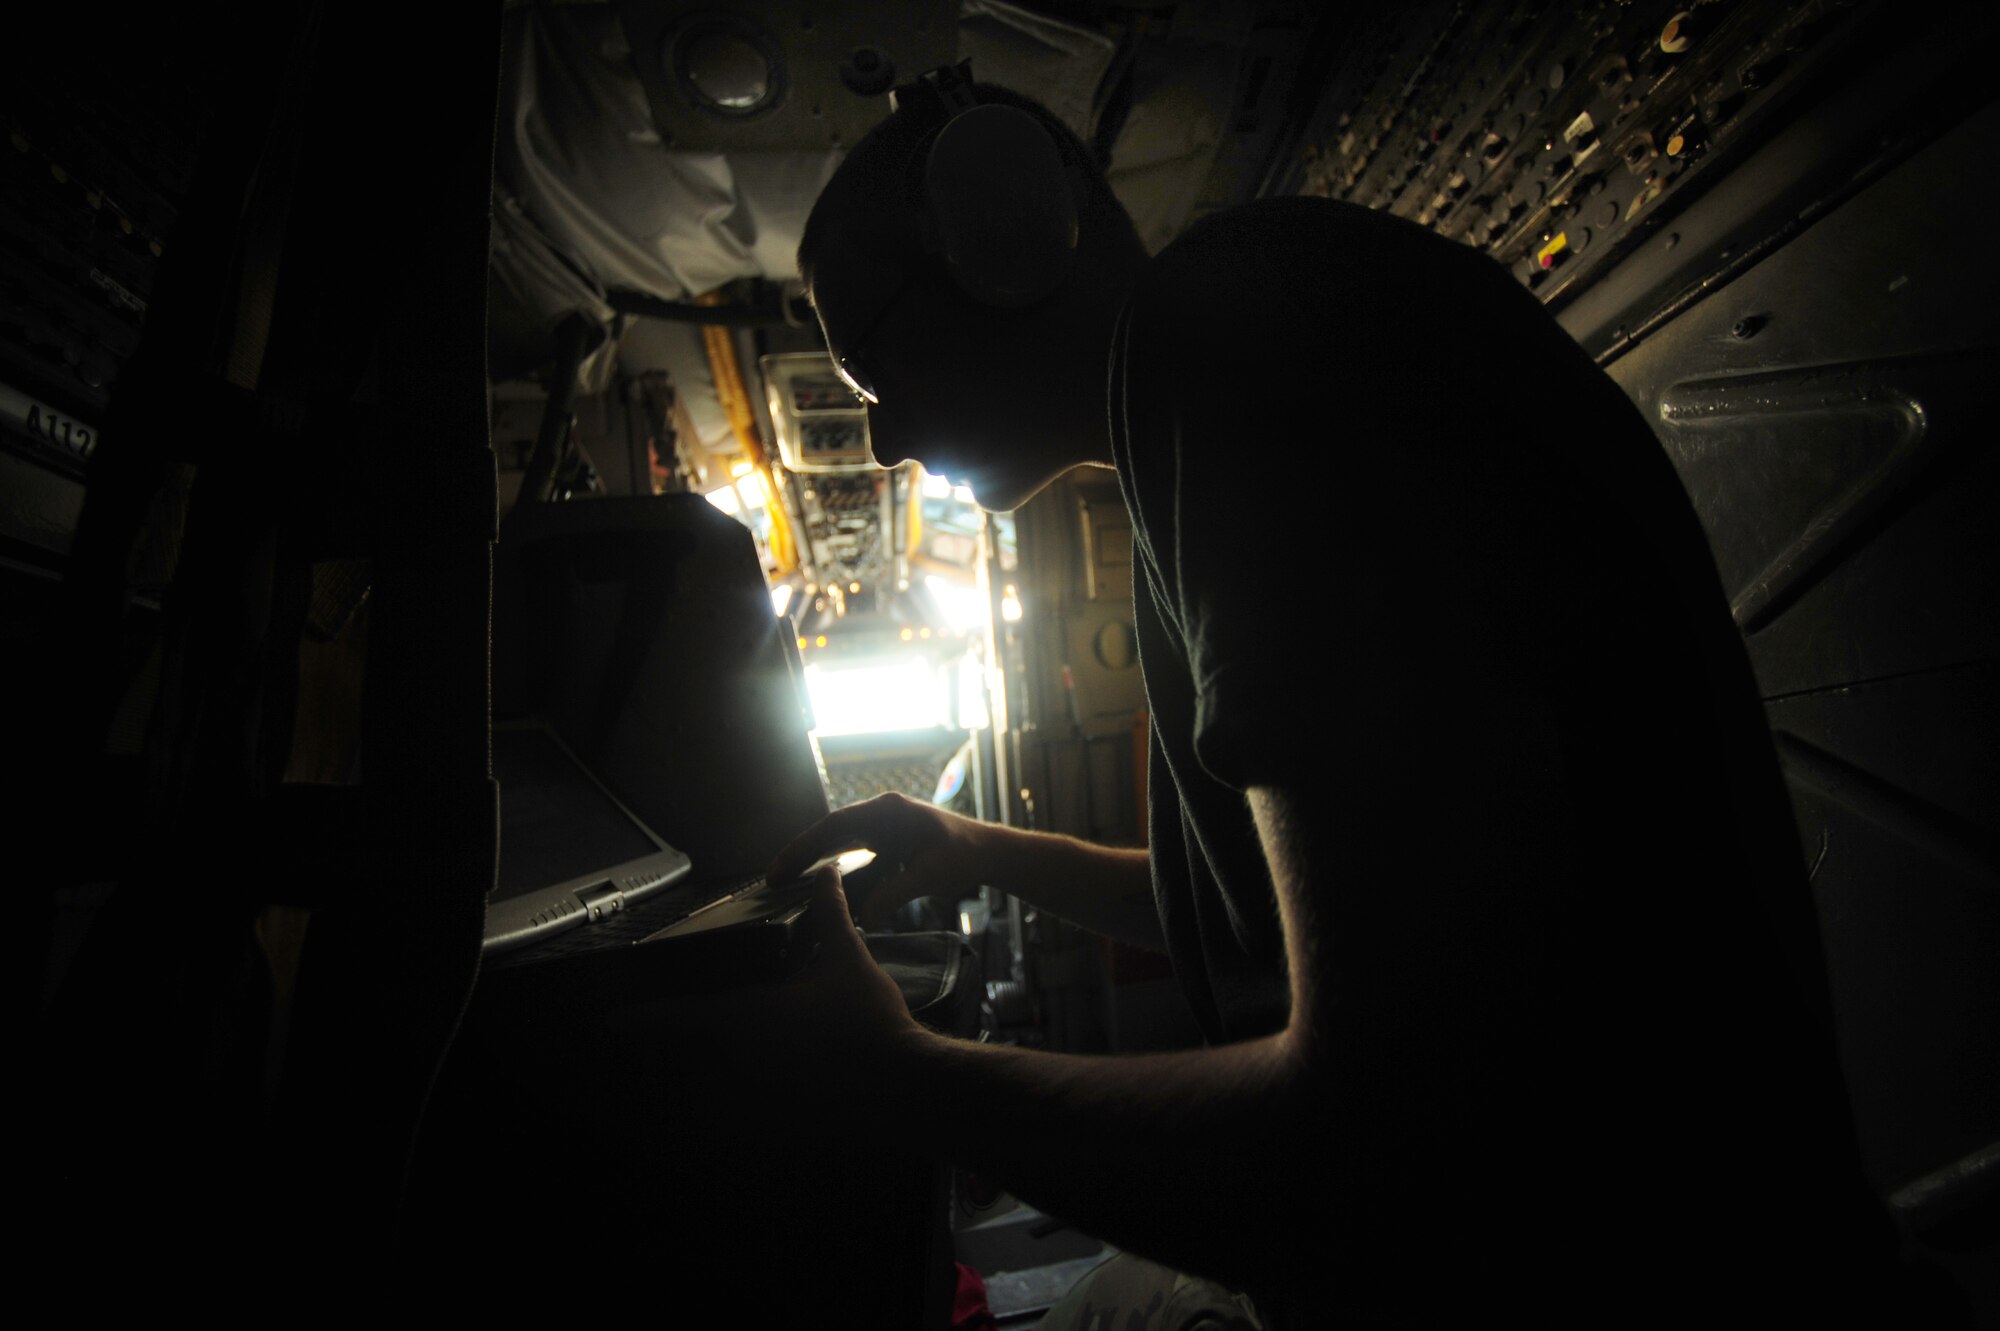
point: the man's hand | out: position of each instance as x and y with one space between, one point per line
920 851
923 851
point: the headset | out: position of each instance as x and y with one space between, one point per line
997 201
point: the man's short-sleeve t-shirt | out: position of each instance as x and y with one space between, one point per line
1376 492
1373 484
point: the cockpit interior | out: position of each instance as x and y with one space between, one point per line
445 566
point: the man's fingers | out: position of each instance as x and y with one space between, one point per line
875 890
816 843
880 824
837 927
855 827
879 908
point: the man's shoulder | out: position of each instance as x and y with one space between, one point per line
1312 243
1295 269
1292 217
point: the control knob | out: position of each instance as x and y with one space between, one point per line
1678 33
1687 142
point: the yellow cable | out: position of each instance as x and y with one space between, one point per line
728 375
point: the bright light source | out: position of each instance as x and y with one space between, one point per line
802 644
753 490
820 641
965 923
907 635
854 587
972 713
936 487
964 608
726 500
739 468
1010 605
924 632
781 598
907 693
963 494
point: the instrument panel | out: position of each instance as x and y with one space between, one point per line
820 424
1558 137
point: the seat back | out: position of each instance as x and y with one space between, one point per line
643 630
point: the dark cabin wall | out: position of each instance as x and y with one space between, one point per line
1076 746
1841 459
301 431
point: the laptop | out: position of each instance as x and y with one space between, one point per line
584 882
570 853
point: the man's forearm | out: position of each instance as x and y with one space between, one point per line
1190 1158
1105 889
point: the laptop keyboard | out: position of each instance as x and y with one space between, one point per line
628 925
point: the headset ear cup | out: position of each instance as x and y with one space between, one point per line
1002 206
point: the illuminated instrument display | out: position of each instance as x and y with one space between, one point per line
820 424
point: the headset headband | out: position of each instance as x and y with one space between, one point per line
946 90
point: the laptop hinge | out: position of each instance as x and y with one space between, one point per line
602 900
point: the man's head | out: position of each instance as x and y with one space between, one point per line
980 371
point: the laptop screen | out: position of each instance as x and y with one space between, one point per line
556 824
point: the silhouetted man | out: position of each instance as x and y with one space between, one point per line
1468 844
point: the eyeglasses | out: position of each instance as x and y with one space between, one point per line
850 367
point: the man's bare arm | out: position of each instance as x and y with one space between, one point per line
1105 889
922 850
1188 1157
1205 1158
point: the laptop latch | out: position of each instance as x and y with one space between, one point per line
602 900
